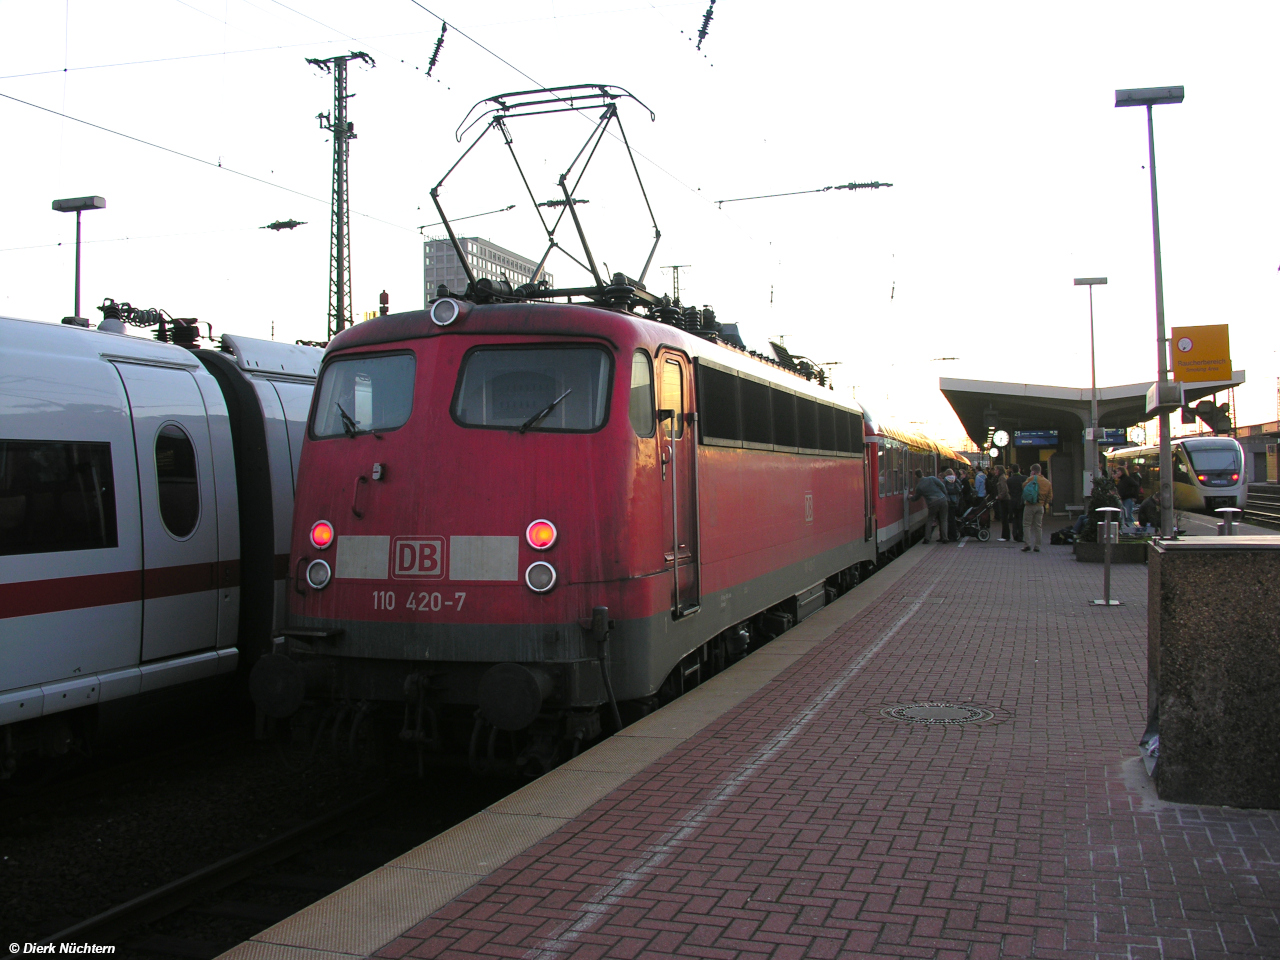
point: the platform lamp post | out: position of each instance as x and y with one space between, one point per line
1149 97
1092 445
78 205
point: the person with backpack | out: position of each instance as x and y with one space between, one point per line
1036 494
1016 479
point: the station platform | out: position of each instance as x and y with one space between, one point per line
792 807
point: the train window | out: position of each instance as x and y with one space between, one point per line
1215 458
757 418
533 388
176 481
856 441
784 418
882 461
843 442
56 496
641 405
827 428
806 423
718 403
364 393
673 396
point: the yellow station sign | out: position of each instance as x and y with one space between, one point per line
1201 353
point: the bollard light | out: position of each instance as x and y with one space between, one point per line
1227 528
1110 534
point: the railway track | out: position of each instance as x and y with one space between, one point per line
156 904
217 906
1263 505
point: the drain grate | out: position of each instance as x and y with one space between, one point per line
938 712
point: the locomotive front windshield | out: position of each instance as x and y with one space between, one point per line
362 394
562 389
1215 457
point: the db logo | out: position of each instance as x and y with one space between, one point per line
418 558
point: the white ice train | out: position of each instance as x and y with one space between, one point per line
146 496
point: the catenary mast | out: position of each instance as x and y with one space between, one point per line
343 130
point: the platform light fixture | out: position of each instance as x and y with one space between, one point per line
78 205
1092 445
1150 97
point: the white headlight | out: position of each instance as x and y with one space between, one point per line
444 312
319 574
540 577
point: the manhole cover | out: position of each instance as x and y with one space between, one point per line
937 712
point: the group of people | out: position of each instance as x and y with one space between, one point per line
1019 500
1138 513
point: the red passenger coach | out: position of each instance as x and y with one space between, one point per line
541 510
893 457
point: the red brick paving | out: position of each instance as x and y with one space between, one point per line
805 824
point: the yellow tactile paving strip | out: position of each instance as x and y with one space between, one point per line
362 916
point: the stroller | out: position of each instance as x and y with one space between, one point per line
971 522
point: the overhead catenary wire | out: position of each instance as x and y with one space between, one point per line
875 185
200 160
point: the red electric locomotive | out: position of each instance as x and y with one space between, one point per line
488 491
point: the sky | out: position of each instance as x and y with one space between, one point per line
1012 170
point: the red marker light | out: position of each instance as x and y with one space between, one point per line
1235 476
1201 477
541 534
321 534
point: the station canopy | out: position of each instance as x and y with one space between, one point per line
986 406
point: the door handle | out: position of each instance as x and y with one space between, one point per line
355 497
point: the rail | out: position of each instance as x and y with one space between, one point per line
177 894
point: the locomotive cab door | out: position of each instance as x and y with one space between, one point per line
179 510
677 459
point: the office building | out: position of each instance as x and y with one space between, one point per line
441 265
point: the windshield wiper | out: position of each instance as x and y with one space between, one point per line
348 425
534 420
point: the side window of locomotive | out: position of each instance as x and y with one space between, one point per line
806 423
718 404
362 394
176 481
827 428
641 406
757 418
56 496
856 441
546 389
673 396
784 418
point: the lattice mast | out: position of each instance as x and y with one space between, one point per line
343 131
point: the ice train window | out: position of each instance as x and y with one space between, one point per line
56 496
176 481
547 389
361 394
